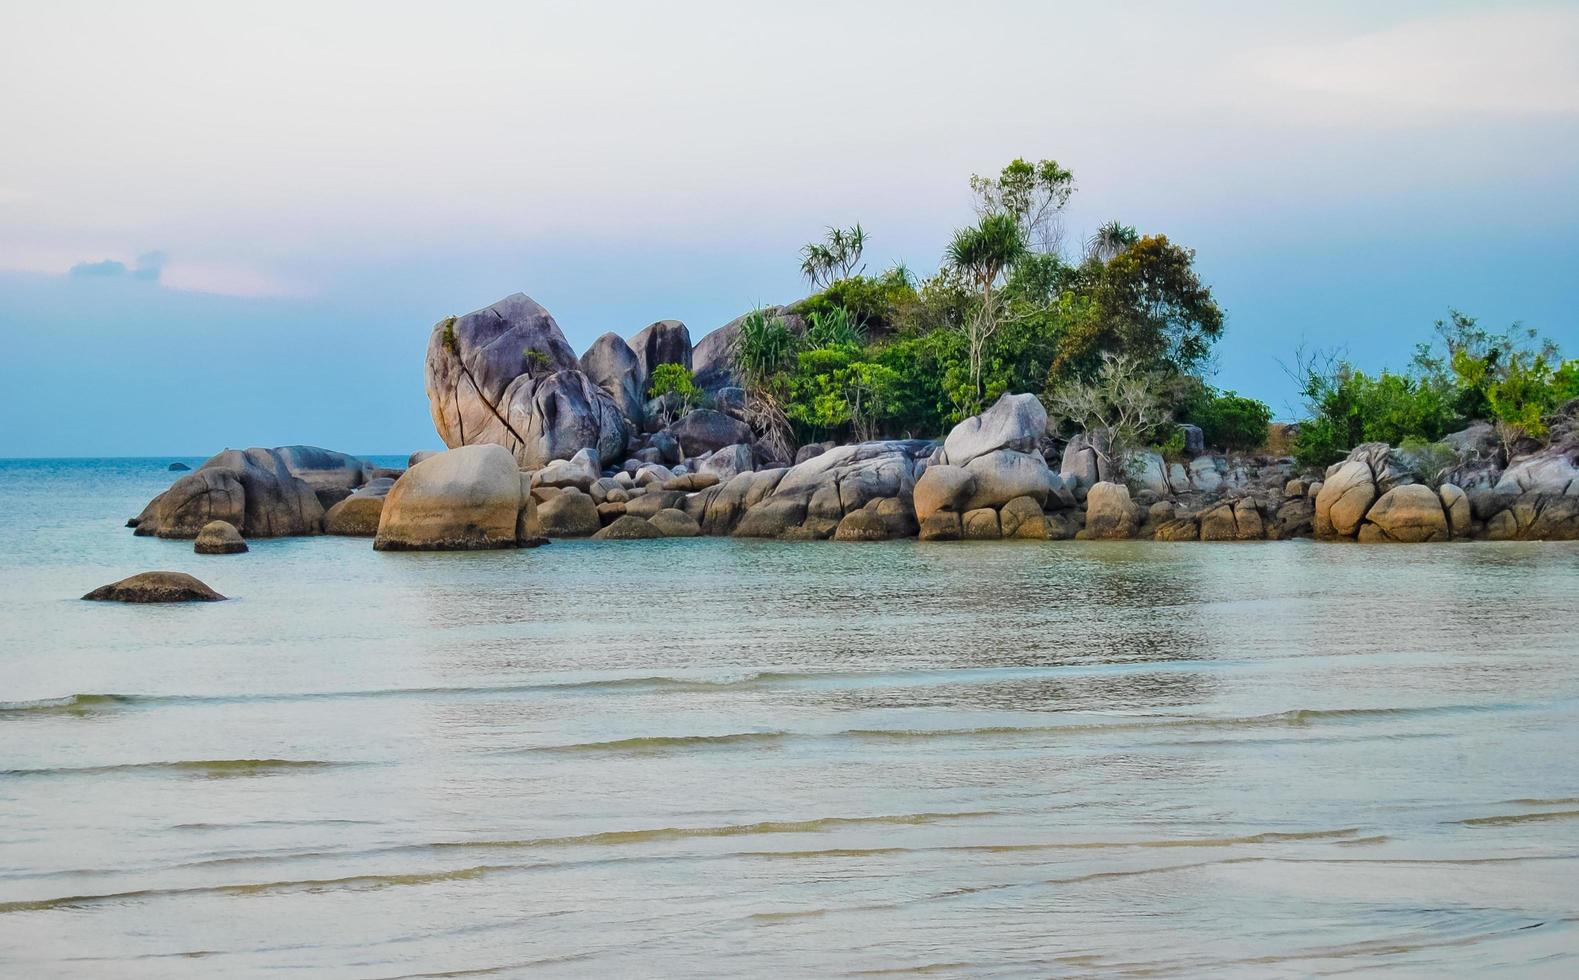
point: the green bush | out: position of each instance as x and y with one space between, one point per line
873 302
1231 422
674 383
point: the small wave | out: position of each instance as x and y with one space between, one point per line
370 881
70 704
213 768
1518 818
811 826
658 743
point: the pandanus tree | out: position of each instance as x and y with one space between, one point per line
836 257
1111 239
983 255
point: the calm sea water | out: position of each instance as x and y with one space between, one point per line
715 757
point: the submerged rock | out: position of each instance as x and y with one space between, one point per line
219 538
155 587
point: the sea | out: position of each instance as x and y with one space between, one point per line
719 758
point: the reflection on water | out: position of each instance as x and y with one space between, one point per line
713 757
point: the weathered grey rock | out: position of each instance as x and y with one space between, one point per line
557 416
467 499
653 474
674 523
178 467
705 430
943 487
862 525
628 528
1109 512
665 342
712 364
729 462
1015 422
668 447
1346 494
1000 476
474 360
1194 440
817 494
1535 517
601 488
155 587
609 513
650 503
1410 513
1148 471
719 509
1552 471
570 514
1218 524
251 489
579 471
219 538
810 450
1295 519
358 515
1205 475
1081 466
614 367
325 469
730 400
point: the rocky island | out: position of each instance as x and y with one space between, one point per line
547 445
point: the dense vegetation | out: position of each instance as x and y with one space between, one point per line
1008 310
1512 378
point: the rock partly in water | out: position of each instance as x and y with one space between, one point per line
219 538
673 523
358 515
252 489
1410 513
155 587
569 514
628 528
467 499
178 467
1109 513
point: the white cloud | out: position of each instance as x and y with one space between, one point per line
1508 60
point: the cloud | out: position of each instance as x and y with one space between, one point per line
148 268
1509 60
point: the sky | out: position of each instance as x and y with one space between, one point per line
233 225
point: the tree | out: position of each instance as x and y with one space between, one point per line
674 385
835 386
837 257
983 254
1034 193
1118 409
1109 240
1148 303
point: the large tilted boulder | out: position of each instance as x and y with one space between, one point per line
505 375
664 342
614 367
704 431
155 587
358 515
1551 472
1081 466
330 474
252 489
467 499
729 462
1410 513
1015 422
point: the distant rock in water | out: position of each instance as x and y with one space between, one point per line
254 490
219 538
155 587
177 467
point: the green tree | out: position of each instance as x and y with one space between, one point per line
1229 421
1147 303
838 256
676 387
1033 193
762 351
834 388
1109 240
982 254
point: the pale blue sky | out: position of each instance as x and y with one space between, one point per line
296 192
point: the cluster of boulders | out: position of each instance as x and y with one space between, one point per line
505 375
548 445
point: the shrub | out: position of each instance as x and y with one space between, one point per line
1428 461
674 384
1231 422
874 302
1120 407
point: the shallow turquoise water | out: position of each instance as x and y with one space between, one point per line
714 757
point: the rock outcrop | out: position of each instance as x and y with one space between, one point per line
467 499
1014 422
155 587
252 489
505 375
1110 513
614 367
704 430
358 515
664 342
